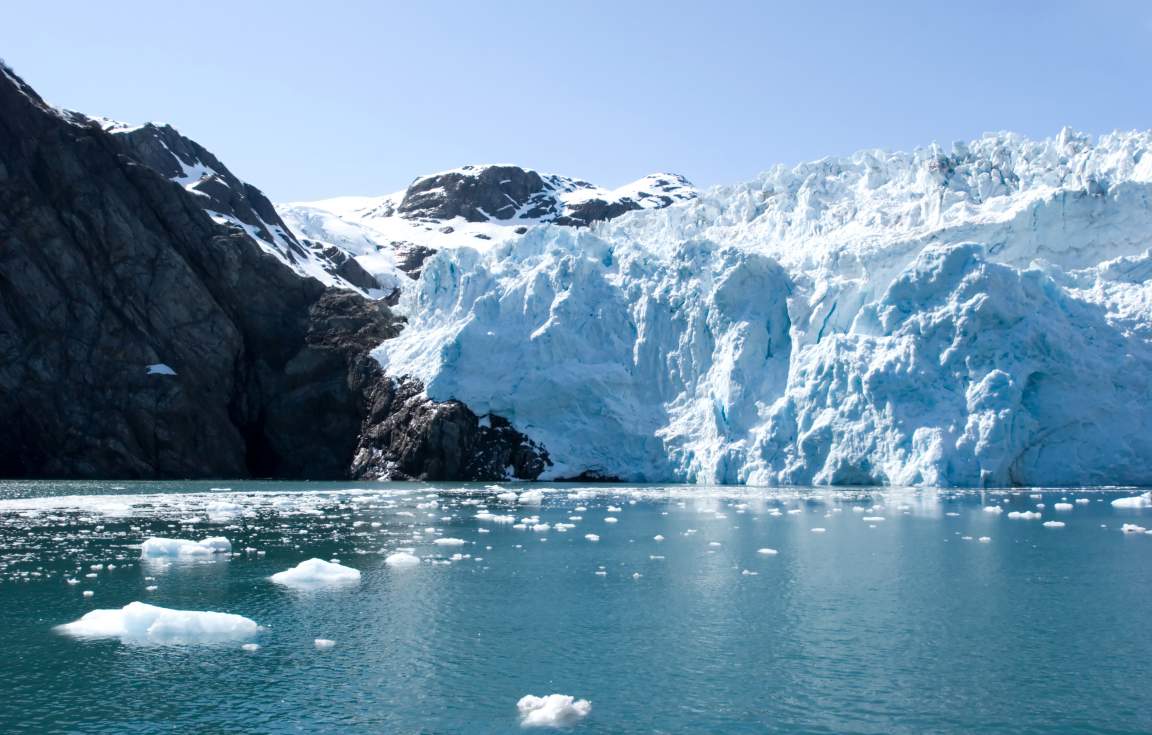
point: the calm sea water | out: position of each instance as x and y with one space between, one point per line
910 624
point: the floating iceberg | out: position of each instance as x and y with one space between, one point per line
1139 501
401 559
161 547
315 573
141 622
554 710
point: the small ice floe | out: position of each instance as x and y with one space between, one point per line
138 621
985 539
1139 501
715 544
250 647
221 510
316 573
749 573
324 643
611 519
1025 515
592 537
554 710
531 497
162 547
449 542
1082 501
159 368
993 509
872 519
819 530
1132 528
1054 524
1063 507
89 593
401 559
767 552
658 538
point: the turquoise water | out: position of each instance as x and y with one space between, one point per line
910 624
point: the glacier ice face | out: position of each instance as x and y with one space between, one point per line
980 317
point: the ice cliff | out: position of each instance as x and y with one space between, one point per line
973 317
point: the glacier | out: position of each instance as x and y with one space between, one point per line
972 317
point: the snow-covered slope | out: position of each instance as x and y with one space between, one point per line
229 201
980 316
473 206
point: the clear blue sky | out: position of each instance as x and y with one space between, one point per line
316 99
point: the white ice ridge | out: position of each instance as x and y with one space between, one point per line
553 710
159 547
140 622
315 573
973 317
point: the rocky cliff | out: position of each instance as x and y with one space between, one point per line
147 329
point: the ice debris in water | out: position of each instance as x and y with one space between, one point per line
1054 524
324 643
138 621
767 552
553 710
1027 515
1132 528
160 547
316 572
449 542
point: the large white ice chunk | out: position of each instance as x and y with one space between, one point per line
553 710
1139 501
141 622
315 573
161 547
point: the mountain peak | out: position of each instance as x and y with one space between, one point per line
506 193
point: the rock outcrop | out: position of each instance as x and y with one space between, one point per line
501 192
409 437
155 322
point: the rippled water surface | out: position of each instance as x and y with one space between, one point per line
912 612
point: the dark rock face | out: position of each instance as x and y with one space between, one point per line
408 437
410 257
106 268
141 339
